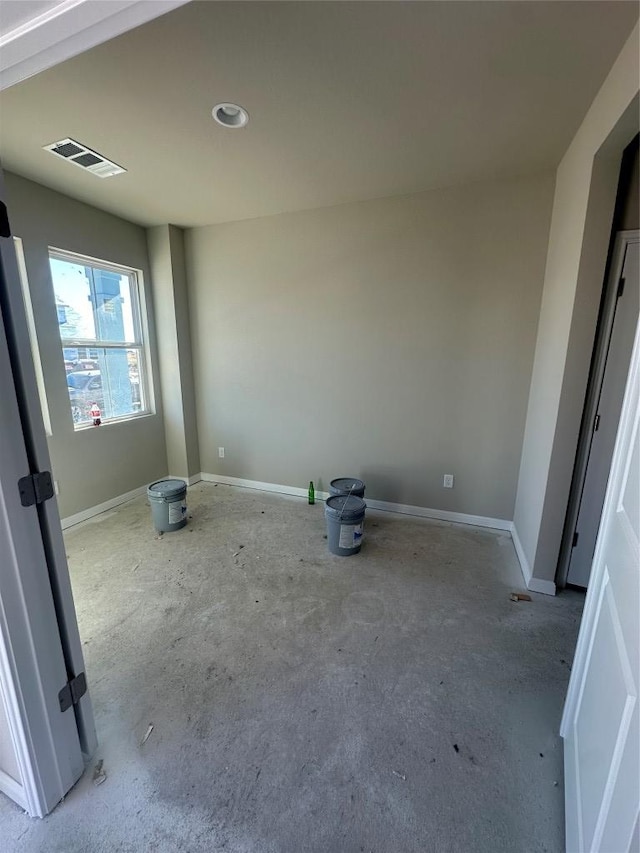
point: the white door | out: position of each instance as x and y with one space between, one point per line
42 736
600 724
606 419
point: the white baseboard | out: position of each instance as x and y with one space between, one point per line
85 514
190 481
385 506
261 487
92 511
534 584
441 515
14 790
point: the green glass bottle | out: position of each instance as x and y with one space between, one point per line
312 494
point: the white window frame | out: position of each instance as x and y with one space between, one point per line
140 326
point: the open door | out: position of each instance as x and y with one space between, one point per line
601 724
46 721
624 308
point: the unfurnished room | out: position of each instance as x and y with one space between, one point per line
319 435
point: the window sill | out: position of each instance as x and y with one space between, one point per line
114 421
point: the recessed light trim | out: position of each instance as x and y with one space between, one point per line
230 115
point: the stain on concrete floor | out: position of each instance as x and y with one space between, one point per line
307 703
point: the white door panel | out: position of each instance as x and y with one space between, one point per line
32 667
601 723
39 642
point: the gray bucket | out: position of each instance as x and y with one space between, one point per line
345 520
347 486
168 499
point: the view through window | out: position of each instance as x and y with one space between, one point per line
100 326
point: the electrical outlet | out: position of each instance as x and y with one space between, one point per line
447 481
221 452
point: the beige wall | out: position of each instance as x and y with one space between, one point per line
95 465
580 228
166 255
390 339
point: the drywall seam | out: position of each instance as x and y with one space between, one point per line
385 506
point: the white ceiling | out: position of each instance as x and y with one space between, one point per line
348 100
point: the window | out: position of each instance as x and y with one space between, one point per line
101 332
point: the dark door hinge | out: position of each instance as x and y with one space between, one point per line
596 423
620 288
5 228
36 488
72 692
575 539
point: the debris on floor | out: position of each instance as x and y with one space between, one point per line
399 775
99 775
456 747
146 737
519 596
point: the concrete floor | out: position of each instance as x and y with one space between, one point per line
391 702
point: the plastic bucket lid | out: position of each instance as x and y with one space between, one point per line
347 484
344 507
167 489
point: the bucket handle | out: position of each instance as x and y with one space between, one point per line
346 499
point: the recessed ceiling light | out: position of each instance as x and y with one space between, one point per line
230 115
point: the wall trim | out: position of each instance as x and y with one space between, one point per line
67 29
384 506
534 584
14 790
85 514
190 481
441 515
92 511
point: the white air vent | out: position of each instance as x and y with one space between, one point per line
80 155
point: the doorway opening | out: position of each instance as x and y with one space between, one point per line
609 368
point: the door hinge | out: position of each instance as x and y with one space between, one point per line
72 692
596 423
5 228
575 539
36 488
620 288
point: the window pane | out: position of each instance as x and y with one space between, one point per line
93 303
114 386
114 313
72 290
98 314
